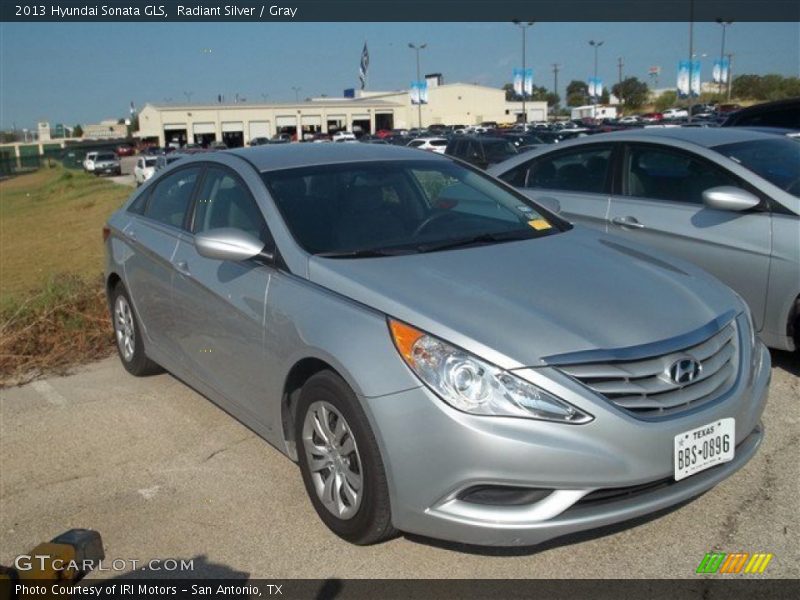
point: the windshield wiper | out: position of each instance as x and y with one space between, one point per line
484 238
364 253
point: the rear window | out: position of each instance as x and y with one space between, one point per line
106 157
438 142
150 162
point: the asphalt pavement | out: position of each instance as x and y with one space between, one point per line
162 473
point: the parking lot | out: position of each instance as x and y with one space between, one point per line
163 473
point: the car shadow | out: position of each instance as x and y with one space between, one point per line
788 361
567 540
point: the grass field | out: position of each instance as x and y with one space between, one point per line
50 224
53 313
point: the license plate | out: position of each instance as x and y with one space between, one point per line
704 447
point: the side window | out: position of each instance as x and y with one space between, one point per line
224 201
579 170
170 198
517 175
666 174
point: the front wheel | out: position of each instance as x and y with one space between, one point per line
340 461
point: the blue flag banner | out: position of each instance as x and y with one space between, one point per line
528 85
362 69
518 81
595 87
719 73
683 78
695 80
419 92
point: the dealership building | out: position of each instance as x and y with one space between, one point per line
366 112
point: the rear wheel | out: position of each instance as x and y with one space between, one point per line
127 335
340 461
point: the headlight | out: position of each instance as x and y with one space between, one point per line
472 385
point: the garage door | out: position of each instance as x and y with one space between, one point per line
232 126
312 120
203 128
171 126
258 129
286 121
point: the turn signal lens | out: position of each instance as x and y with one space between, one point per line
404 337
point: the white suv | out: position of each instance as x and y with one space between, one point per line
88 161
675 113
432 144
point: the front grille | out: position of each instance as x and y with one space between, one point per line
644 387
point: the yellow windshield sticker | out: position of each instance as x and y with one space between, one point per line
540 224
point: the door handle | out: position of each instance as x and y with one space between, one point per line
183 268
628 221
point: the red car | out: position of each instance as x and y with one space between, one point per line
652 117
383 133
125 150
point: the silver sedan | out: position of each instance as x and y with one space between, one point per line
726 199
438 353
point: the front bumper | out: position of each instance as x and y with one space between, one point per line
432 453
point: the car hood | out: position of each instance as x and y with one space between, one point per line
524 303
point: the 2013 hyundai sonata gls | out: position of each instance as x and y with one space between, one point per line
438 353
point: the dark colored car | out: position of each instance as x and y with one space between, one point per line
152 151
125 150
523 139
781 113
259 141
164 161
482 151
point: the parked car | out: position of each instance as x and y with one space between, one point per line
652 117
106 163
781 113
523 140
88 161
440 354
162 162
675 113
144 169
125 150
152 151
217 145
481 151
629 120
727 199
344 136
431 144
259 141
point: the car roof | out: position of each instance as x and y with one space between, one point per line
707 137
290 156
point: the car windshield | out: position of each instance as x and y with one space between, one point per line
499 151
105 157
400 207
776 160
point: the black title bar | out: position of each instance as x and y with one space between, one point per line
397 10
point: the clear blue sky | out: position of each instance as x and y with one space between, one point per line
82 72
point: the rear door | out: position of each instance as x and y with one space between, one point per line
220 307
661 204
579 178
153 233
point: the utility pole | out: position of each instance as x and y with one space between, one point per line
730 74
416 49
620 64
724 25
556 67
524 27
296 93
188 97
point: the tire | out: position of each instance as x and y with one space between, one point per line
127 335
368 520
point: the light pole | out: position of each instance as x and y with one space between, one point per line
724 25
524 26
556 67
188 97
416 49
730 74
596 45
296 93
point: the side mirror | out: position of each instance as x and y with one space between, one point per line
228 243
550 203
726 197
